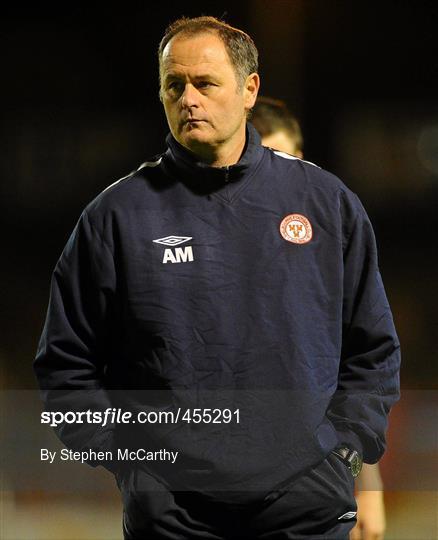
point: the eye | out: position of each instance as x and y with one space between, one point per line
175 85
205 84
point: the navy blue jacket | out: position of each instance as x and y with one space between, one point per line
266 298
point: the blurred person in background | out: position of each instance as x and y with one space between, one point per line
277 126
280 130
222 274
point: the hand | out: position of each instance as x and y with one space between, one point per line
371 521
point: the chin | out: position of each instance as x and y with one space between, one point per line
196 140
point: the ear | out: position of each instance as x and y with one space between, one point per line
251 89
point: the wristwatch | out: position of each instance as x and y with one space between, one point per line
351 458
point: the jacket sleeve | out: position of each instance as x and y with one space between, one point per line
72 351
368 380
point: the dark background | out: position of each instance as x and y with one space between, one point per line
80 109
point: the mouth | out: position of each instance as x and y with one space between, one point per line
192 124
193 121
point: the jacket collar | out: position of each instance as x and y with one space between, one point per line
185 165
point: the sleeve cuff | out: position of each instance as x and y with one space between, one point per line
350 439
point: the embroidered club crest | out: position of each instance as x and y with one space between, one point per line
296 228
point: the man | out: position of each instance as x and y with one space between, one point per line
281 131
277 126
237 289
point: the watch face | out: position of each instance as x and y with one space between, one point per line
355 464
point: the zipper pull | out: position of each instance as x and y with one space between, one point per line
227 173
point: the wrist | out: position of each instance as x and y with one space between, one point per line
351 458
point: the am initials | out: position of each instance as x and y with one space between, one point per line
181 255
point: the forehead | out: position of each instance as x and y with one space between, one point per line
200 52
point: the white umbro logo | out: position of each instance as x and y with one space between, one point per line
172 240
180 254
348 515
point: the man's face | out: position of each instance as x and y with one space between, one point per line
204 106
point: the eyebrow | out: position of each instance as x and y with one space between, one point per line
173 76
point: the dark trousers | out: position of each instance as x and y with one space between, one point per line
314 506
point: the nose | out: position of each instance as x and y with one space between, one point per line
190 96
